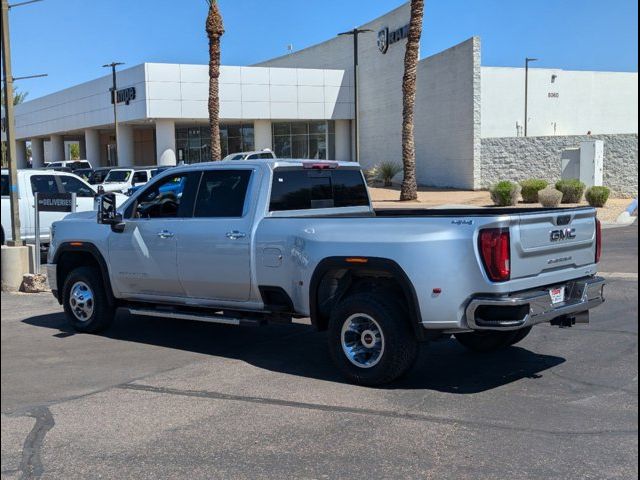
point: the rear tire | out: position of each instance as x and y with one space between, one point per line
485 341
519 335
85 301
370 339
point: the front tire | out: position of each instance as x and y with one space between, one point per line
85 301
370 339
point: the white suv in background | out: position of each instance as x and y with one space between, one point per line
71 164
265 154
121 179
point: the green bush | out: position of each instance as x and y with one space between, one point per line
550 197
505 194
598 196
572 190
530 189
384 172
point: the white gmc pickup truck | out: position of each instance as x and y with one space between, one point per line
275 240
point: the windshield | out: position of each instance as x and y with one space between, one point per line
235 156
117 176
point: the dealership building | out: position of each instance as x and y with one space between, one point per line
469 118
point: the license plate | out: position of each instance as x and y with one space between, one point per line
557 295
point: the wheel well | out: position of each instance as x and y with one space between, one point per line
69 260
334 279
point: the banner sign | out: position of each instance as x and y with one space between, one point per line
55 202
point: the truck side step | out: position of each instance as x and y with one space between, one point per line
195 316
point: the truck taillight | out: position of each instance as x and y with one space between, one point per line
495 250
598 240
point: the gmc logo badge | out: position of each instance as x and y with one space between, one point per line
564 234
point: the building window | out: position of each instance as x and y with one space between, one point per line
193 144
313 140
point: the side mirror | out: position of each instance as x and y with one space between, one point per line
107 213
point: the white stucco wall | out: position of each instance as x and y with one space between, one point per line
380 83
447 121
573 103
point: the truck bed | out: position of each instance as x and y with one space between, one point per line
470 212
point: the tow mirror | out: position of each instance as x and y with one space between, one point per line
107 213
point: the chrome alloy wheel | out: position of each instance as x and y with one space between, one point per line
81 301
362 340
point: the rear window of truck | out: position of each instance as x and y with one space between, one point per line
304 189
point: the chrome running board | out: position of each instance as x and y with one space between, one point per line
197 317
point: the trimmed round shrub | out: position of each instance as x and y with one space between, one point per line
530 189
550 197
572 190
598 196
505 194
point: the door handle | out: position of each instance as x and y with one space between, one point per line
165 234
235 235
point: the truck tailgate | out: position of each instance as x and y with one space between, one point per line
552 241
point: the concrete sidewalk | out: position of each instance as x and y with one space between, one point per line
430 197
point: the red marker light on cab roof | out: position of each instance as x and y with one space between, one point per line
320 165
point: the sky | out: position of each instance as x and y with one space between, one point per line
70 39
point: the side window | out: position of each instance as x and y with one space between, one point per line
71 184
310 189
44 184
222 193
170 198
140 177
5 185
99 176
266 155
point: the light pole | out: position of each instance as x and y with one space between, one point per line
527 60
355 33
114 98
10 121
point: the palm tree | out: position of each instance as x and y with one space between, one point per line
18 97
215 30
409 189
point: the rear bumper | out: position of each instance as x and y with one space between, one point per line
523 309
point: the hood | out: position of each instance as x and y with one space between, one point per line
89 214
115 187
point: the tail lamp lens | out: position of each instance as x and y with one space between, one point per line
495 249
598 240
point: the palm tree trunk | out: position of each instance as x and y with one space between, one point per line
215 30
409 189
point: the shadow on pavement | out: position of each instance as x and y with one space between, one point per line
443 366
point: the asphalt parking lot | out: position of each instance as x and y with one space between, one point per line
169 399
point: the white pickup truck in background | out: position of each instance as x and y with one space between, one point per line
45 181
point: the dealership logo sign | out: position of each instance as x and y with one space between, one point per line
126 95
387 37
